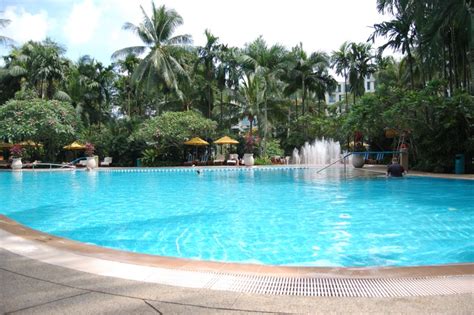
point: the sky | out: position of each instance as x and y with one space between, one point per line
94 27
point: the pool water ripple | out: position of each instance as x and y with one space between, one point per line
271 216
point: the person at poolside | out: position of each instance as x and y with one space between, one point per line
395 169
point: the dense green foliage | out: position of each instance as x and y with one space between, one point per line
155 96
169 131
52 123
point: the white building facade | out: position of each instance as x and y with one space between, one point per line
340 93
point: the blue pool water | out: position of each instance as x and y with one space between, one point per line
266 216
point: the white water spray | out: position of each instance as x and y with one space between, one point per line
319 152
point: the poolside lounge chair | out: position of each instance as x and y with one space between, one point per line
190 160
203 160
219 160
379 157
233 159
106 162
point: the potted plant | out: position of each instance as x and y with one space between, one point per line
16 153
358 157
248 156
91 162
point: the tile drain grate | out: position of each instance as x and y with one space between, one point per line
343 287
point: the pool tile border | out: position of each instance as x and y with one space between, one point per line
89 250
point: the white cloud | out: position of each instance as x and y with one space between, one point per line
82 23
25 26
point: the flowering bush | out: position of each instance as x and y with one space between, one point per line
17 151
250 142
89 149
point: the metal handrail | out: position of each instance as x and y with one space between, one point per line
343 158
358 153
52 164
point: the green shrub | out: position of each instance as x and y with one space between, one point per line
265 160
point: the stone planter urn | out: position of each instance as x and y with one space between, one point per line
91 163
248 159
358 160
16 164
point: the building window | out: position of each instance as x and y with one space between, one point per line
339 88
332 98
340 98
368 85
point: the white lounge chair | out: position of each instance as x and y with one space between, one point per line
106 162
219 160
233 159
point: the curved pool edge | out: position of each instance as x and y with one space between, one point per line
19 238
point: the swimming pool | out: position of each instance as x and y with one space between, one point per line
275 216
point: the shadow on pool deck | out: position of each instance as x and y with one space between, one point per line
32 287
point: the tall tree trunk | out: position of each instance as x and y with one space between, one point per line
296 107
450 69
209 101
345 90
289 122
455 67
265 127
422 64
410 64
445 73
303 97
222 109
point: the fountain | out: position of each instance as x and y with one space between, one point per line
320 152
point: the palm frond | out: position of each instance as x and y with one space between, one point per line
124 52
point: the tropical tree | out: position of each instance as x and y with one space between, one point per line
308 74
341 63
162 64
266 65
90 88
401 35
4 40
42 66
361 66
208 55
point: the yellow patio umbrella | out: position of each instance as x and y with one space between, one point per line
197 142
74 146
226 140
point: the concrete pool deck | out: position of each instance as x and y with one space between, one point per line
43 274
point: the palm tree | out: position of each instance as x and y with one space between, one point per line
308 74
208 55
266 63
3 39
340 61
41 66
90 85
360 67
163 61
401 35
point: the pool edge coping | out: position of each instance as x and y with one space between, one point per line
93 251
